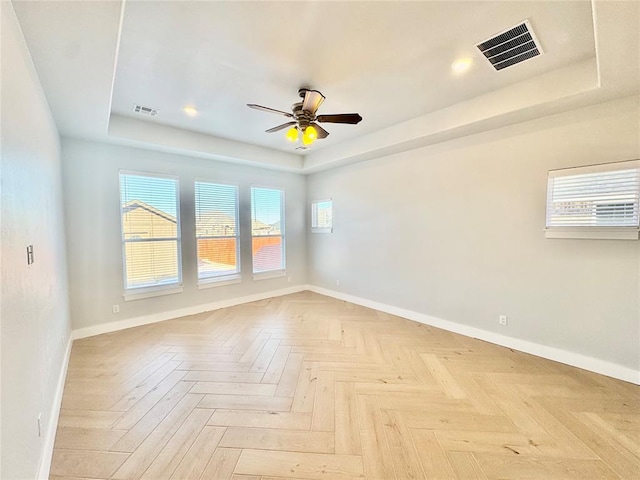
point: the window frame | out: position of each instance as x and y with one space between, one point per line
147 291
218 280
281 272
314 216
602 232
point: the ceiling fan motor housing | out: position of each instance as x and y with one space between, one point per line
303 118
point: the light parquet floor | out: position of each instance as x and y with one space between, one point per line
306 386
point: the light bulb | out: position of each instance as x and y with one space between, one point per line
292 134
309 135
311 132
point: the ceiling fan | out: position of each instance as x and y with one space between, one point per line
304 118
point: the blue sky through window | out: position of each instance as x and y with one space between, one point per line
161 193
157 192
266 205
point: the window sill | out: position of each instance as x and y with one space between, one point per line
139 294
268 275
594 233
321 230
219 282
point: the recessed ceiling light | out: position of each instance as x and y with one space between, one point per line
462 64
190 110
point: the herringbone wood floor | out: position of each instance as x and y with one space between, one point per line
305 386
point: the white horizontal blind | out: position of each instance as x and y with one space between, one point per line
322 215
592 197
267 229
150 230
217 230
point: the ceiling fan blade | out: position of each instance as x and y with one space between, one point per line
312 101
322 133
351 118
280 127
267 109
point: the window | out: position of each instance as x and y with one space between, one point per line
267 230
217 232
150 233
600 201
322 216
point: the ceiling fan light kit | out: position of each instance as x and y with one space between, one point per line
304 118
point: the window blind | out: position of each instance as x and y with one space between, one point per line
601 196
267 229
150 230
217 230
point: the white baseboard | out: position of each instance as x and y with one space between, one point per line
181 312
552 353
54 414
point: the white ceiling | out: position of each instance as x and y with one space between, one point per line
388 61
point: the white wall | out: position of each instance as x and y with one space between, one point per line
455 231
35 321
92 202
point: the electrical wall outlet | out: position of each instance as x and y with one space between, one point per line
502 320
116 309
337 283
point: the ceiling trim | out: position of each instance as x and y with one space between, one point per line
117 51
539 96
164 138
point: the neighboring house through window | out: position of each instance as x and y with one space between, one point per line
150 232
322 216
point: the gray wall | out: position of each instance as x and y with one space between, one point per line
35 318
92 202
455 231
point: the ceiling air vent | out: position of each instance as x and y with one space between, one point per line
511 46
152 112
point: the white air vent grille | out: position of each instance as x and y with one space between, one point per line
152 112
511 46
